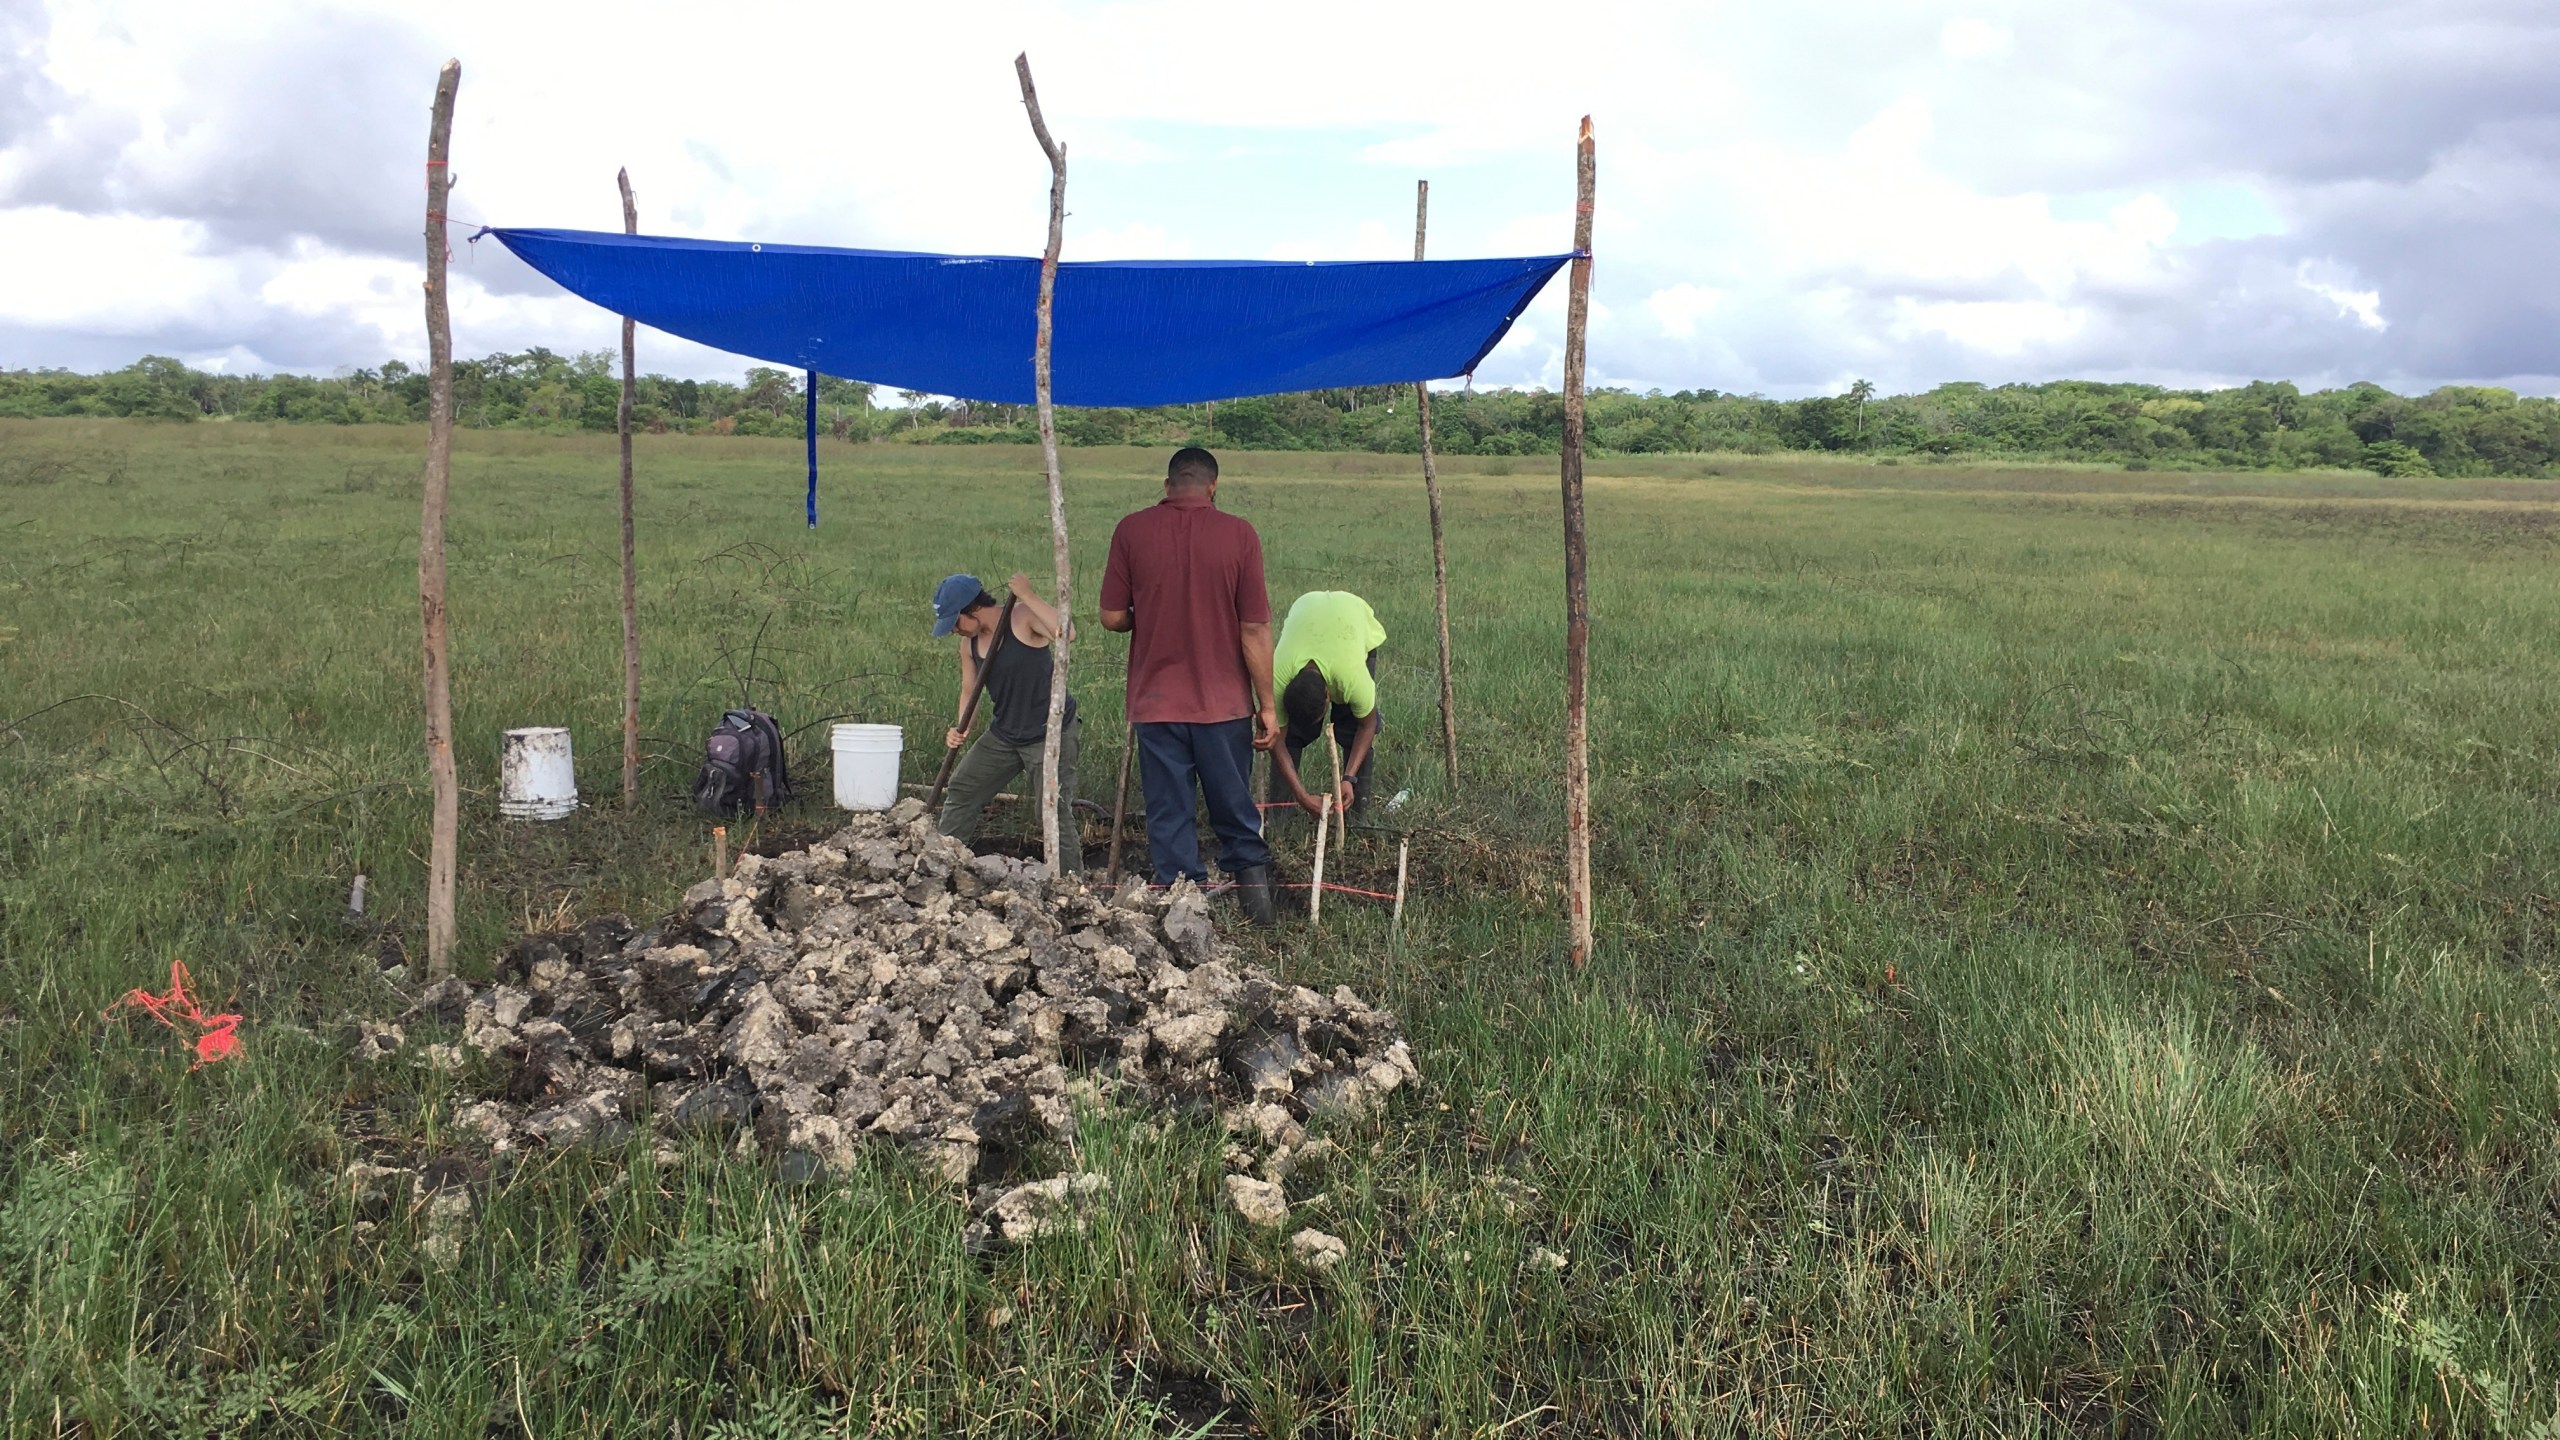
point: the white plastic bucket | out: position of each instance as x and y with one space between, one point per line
535 779
867 765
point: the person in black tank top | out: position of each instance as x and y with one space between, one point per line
1006 646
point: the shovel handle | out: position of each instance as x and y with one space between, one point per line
1120 803
969 709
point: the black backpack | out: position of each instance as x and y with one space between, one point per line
742 766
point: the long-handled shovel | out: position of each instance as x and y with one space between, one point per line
969 709
1120 804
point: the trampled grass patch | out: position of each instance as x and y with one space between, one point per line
2077 956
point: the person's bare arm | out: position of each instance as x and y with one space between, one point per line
958 734
1287 770
1119 622
1044 619
1266 697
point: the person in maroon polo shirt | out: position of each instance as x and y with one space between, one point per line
1184 581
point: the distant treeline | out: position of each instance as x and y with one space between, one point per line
2457 430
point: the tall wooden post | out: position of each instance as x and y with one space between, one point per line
630 575
447 801
1577 590
1439 545
1051 804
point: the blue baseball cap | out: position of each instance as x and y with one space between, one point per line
950 598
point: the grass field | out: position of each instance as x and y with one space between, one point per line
2077 957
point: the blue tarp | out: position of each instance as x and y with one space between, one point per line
1129 332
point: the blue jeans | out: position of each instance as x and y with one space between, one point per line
1218 759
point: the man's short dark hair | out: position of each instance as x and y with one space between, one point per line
1302 700
984 601
1191 468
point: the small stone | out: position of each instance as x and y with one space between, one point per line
376 1041
506 1006
448 1223
1190 1037
1187 925
721 1106
1048 1207
444 1000
1259 1201
376 1184
1316 1250
592 1119
490 1121
1516 1197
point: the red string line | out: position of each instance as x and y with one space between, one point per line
1341 889
1224 886
219 1038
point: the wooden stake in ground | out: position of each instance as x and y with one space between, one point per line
719 852
1577 588
1052 838
1327 833
447 800
1315 890
1120 802
630 576
1439 545
1395 922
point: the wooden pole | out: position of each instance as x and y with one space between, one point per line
1051 839
447 800
1395 922
1439 544
1120 804
630 576
1577 589
1315 891
719 852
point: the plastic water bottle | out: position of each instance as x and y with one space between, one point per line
1398 802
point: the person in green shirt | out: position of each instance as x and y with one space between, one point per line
1327 660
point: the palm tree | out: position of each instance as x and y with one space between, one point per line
1862 391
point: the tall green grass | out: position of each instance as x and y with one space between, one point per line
2077 957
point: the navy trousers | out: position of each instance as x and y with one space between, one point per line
1215 762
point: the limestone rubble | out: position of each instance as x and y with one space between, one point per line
888 986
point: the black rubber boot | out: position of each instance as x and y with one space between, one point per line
1253 892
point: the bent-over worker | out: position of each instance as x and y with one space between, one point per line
1327 661
1007 646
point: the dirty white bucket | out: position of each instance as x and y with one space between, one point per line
535 778
867 765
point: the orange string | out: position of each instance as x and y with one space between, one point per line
218 1037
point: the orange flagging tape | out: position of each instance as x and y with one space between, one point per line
218 1036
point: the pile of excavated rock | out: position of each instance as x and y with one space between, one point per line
889 985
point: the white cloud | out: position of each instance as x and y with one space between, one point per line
2004 328
2363 306
1968 38
1679 308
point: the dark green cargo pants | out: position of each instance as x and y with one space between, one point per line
990 764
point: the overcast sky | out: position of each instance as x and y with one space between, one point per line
1791 196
